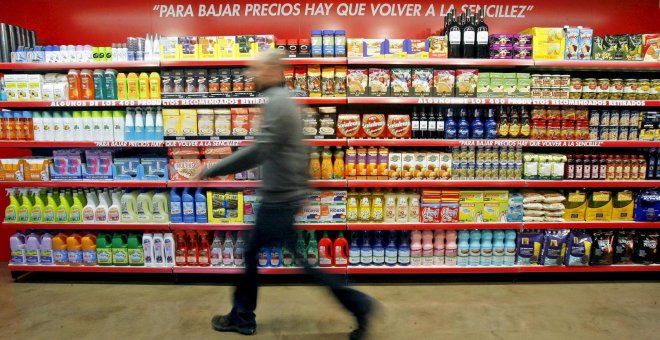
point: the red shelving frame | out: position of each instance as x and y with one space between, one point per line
592 225
434 184
89 269
592 184
499 101
432 270
90 65
76 144
80 103
247 184
590 269
264 270
85 184
320 100
171 102
432 226
501 142
242 226
88 226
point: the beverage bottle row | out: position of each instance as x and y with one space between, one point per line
467 35
464 123
608 167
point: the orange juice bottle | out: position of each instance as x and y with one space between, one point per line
338 167
60 253
361 163
351 158
326 164
75 85
132 83
87 85
314 165
372 163
74 249
89 249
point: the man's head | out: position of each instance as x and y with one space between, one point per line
267 69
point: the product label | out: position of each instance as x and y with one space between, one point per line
119 256
366 256
113 214
188 208
404 256
200 208
18 256
75 215
61 256
46 257
468 37
60 215
89 256
482 37
390 256
379 255
32 256
103 256
455 37
168 251
175 208
75 257
354 255
324 257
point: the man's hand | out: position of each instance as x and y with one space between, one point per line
199 176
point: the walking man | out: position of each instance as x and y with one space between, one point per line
284 158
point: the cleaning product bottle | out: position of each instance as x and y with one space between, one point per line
37 126
427 248
118 122
439 248
325 251
133 87
50 208
275 255
139 125
378 248
188 204
239 250
354 249
46 249
73 79
143 206
102 208
114 211
463 248
404 249
228 250
475 248
301 250
60 253
312 249
74 249
111 84
89 210
451 248
201 215
99 84
391 249
63 209
32 248
159 207
204 249
104 249
66 126
154 85
107 126
76 211
509 247
176 207
150 124
263 257
143 86
49 130
486 256
160 132
366 251
122 86
129 206
87 85
498 248
89 249
169 248
416 248
287 256
135 250
192 257
340 252
17 247
77 132
158 249
216 249
26 206
97 126
11 211
87 124
129 125
120 249
37 212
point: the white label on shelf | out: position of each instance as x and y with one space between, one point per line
533 143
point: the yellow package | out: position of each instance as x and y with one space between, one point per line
171 123
354 48
188 122
225 47
547 42
471 206
224 207
575 206
623 206
208 47
36 169
12 169
206 122
599 206
496 205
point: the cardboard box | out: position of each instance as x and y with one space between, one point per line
496 204
357 81
394 165
483 87
430 212
419 171
466 82
509 86
310 213
438 46
585 43
572 45
34 86
471 206
599 206
171 122
444 82
224 207
547 42
188 122
407 165
449 212
515 208
333 197
332 213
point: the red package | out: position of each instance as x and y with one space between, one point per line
430 213
398 126
348 125
373 125
240 123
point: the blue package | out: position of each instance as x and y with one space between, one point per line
554 247
529 247
579 248
127 166
647 206
515 212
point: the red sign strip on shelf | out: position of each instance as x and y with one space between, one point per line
499 101
90 65
84 184
265 271
592 225
242 226
88 226
89 269
433 226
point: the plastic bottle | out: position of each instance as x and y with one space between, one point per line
427 248
87 126
37 210
58 126
19 129
104 249
114 211
366 251
129 206
37 126
143 85
275 255
378 249
32 248
120 249
228 250
46 249
87 85
204 257
11 211
475 248
509 247
391 249
99 84
287 256
463 248
67 132
111 84
312 249
74 249
77 132
263 257
139 125
158 249
154 85
169 249
325 251
143 206
439 248
28 125
159 134
89 249
118 121
122 86
49 209
176 207
129 125
416 248
216 249
48 124
73 79
26 206
107 126
188 205
486 256
340 252
89 209
239 250
148 249
451 251
354 249
463 125
102 208
159 207
404 249
17 247
301 250
97 126
477 126
133 87
377 206
498 248
201 216
63 209
60 253
192 257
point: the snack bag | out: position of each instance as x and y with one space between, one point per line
603 248
624 247
554 247
579 248
529 247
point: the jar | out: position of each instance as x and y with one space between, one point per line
582 131
554 129
536 80
555 80
589 87
575 88
340 43
546 93
616 89
630 89
561 93
536 92
317 43
564 80
539 130
567 131
328 43
546 80
643 89
603 89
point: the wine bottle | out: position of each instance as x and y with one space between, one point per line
482 37
454 36
468 36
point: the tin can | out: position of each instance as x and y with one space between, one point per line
564 80
624 119
643 89
623 133
593 133
634 118
546 93
536 80
546 80
616 89
614 118
594 118
536 92
613 133
555 80
575 88
603 89
589 87
630 89
633 133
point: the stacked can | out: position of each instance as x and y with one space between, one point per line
613 124
564 123
550 86
487 163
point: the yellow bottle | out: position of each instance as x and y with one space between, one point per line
122 87
154 85
365 206
352 204
132 86
377 205
326 164
338 168
314 165
143 86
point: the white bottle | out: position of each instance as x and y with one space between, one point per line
37 126
114 211
168 247
101 212
228 250
47 122
114 58
159 132
63 55
139 125
148 248
148 55
90 208
67 126
156 48
159 250
216 249
107 126
149 125
97 126
58 127
118 125
88 53
129 126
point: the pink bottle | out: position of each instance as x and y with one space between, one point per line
416 248
451 248
439 248
427 248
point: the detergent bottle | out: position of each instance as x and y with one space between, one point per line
148 249
192 258
325 251
378 248
227 251
11 212
188 203
120 249
143 206
114 210
74 249
216 249
301 250
104 249
427 248
416 248
89 210
135 250
37 213
46 249
463 248
509 247
63 209
201 215
60 253
354 249
486 258
312 249
181 252
451 248
76 211
404 249
159 249
366 251
154 85
159 207
26 206
239 250
143 86
17 247
475 248
340 253
176 208
498 248
204 257
50 208
101 212
169 249
32 248
89 249
391 249
439 248
129 206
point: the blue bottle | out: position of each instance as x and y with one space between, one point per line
650 167
475 248
391 250
491 125
188 204
463 125
263 259
404 249
354 249
378 249
463 248
366 251
176 209
477 128
498 248
450 125
486 258
201 215
509 247
275 256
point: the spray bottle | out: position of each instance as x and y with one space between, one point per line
37 212
63 209
51 207
11 212
90 208
114 211
76 212
26 206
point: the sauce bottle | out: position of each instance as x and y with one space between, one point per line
642 167
402 207
569 170
525 123
595 167
579 164
315 165
586 167
364 209
618 168
514 125
626 167
503 125
610 168
390 206
602 165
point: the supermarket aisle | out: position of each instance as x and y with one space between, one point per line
450 311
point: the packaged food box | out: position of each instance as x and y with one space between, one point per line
350 164
438 46
357 81
310 213
623 206
521 52
419 171
373 125
184 169
443 83
394 165
509 86
584 43
355 47
333 196
515 210
188 119
466 83
407 165
225 207
348 125
422 82
522 40
379 82
495 205
430 212
449 212
501 39
398 126
395 47
599 206
496 87
401 82
373 47
361 164
547 42
470 206
651 47
501 52
523 88
483 86
333 213
171 122
572 43
240 122
372 163
383 159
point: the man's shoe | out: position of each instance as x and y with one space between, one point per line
363 320
222 323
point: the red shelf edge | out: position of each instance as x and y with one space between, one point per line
92 65
432 226
87 226
84 184
430 270
90 269
261 270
